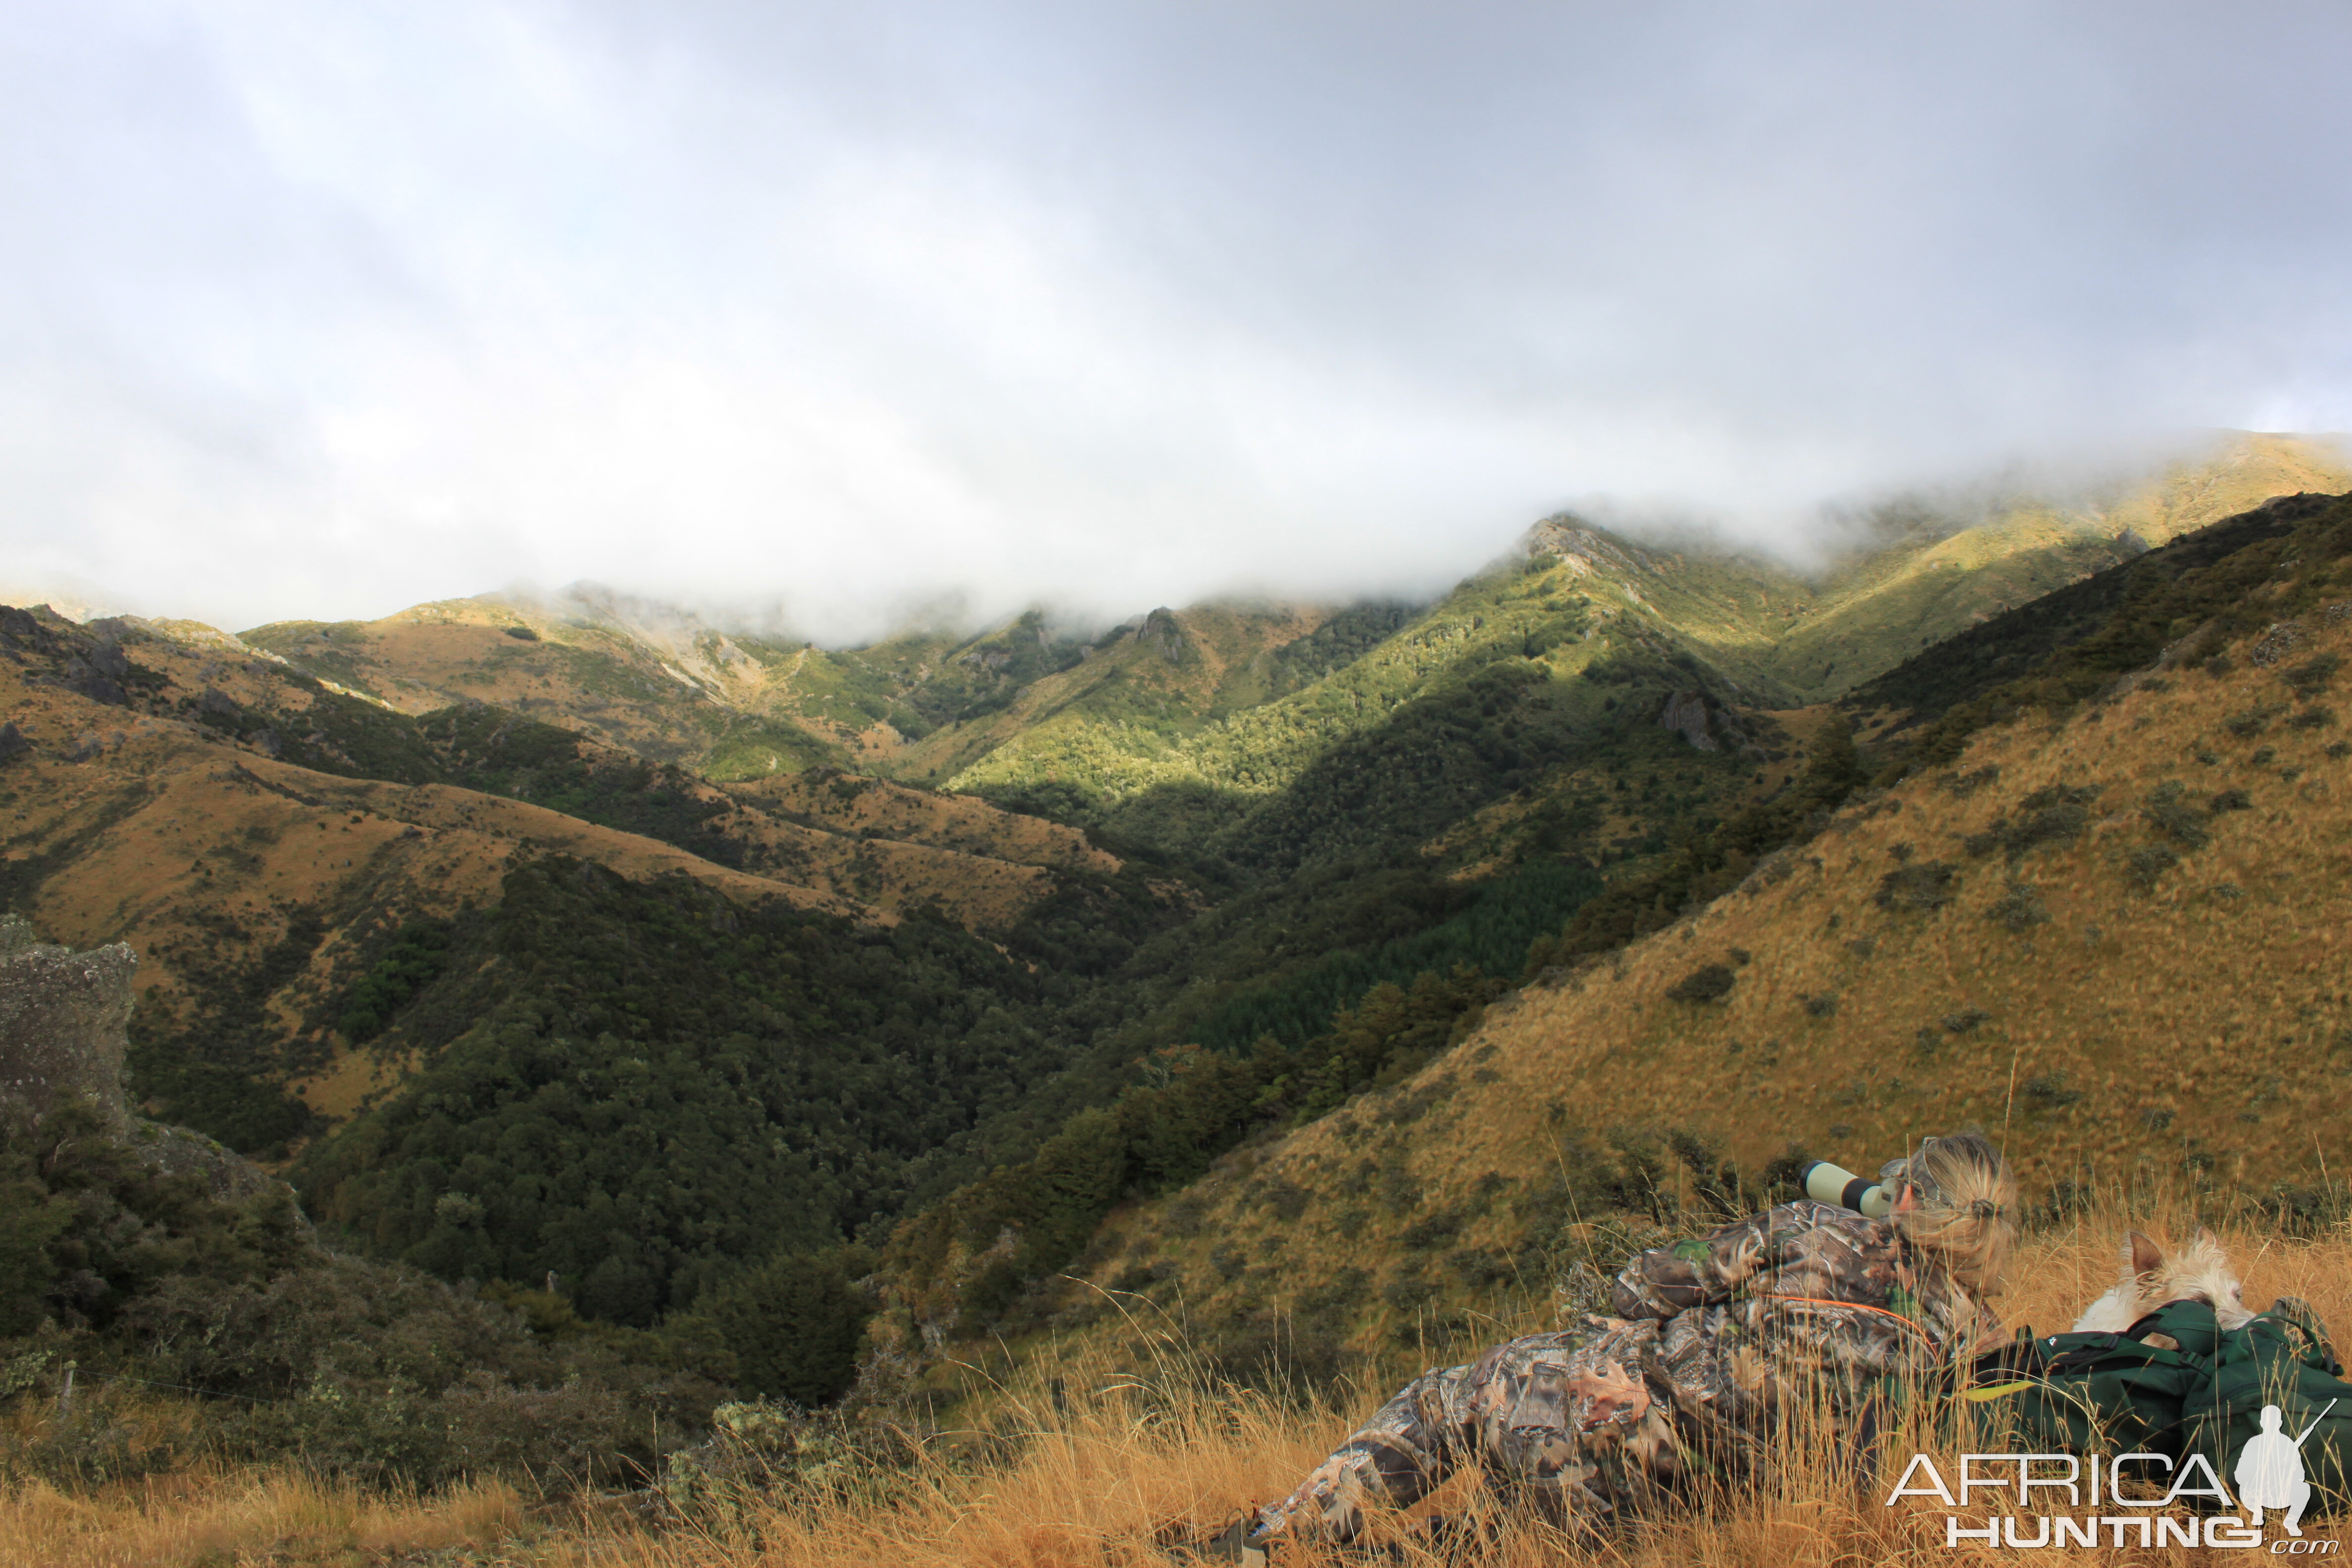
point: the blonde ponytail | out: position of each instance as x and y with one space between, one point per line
1964 1209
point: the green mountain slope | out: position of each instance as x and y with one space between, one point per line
2161 793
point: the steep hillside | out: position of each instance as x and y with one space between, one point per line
661 682
649 679
1924 570
1583 620
2110 932
1511 675
152 799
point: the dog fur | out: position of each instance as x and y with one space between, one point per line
2198 1272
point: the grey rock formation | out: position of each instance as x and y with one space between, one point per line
61 1019
1686 711
62 1015
1162 631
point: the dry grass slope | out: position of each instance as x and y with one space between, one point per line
2117 1001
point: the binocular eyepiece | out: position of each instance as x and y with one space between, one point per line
1827 1183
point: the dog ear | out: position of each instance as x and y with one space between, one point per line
2207 1239
2142 1256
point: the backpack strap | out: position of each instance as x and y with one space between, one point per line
2307 1334
2022 1357
2087 1351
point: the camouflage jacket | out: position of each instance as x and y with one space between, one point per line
1709 1337
1806 1286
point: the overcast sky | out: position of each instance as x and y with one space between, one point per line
321 309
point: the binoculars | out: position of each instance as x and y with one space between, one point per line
1827 1183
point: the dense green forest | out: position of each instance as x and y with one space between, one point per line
1491 935
635 1087
640 1090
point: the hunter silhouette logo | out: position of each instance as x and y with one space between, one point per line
2270 1471
2193 1511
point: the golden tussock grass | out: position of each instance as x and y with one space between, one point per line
1125 1441
210 1518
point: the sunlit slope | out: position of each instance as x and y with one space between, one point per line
660 684
1928 574
2116 941
1602 615
158 804
1538 622
1163 675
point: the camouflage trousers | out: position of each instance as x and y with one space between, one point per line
1581 1425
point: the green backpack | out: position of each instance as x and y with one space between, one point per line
2116 1393
2103 1392
2281 1358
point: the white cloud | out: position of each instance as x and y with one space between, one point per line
320 310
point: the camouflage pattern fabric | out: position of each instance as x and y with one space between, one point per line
1710 1337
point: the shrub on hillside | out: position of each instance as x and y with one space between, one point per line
793 1325
2056 815
414 961
2048 1091
2020 907
2313 676
1709 983
1916 889
1410 1289
2166 814
1967 784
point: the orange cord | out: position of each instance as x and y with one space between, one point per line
1920 1329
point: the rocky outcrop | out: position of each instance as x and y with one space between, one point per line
62 1015
1164 633
61 1020
1582 548
1686 711
1708 724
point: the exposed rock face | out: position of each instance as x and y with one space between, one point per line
61 1020
1162 631
1686 711
1582 548
62 1043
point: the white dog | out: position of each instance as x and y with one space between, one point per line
2199 1272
